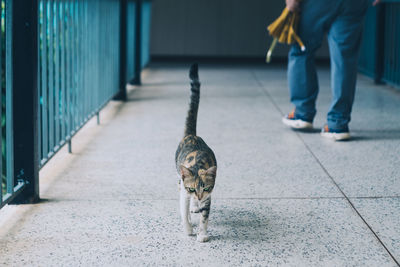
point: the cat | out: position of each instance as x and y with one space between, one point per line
197 167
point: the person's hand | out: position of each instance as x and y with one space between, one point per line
374 3
293 5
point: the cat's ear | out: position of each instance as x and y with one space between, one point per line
185 172
212 171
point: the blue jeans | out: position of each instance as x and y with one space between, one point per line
342 21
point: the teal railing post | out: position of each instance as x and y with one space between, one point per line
138 46
379 43
25 98
122 51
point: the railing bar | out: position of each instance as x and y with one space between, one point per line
90 62
39 79
394 47
103 25
1 108
116 50
395 51
396 25
389 54
44 88
113 48
108 48
9 100
91 81
106 24
88 87
100 47
62 78
109 67
90 58
138 42
74 67
67 68
104 46
389 51
78 61
94 80
98 55
51 74
57 72
90 33
81 58
95 43
78 67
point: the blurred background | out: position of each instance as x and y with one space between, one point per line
215 29
234 29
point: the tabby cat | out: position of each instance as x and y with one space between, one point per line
196 166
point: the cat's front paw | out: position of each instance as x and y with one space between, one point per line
203 238
188 230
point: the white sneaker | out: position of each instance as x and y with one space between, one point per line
296 123
334 134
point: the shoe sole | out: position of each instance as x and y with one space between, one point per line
336 136
297 124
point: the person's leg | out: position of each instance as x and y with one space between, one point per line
314 19
344 39
303 83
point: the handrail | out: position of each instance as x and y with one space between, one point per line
62 61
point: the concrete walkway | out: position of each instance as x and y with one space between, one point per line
282 198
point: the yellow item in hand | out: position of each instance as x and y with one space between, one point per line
283 29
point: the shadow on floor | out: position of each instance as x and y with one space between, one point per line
239 224
363 135
150 98
370 135
308 131
164 83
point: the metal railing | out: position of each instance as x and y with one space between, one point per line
78 66
61 62
380 49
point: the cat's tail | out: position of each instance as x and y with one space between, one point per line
191 119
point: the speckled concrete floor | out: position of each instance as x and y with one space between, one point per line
282 198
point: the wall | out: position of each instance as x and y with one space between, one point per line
215 28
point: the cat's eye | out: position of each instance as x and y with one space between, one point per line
191 189
206 189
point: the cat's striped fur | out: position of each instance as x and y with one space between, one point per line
196 166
